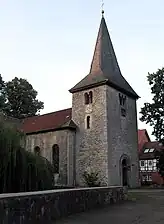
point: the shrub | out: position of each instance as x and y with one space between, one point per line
21 170
91 179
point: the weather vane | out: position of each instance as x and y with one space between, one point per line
102 7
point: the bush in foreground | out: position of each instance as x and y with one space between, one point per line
21 170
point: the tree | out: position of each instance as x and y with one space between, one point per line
21 170
2 93
153 113
21 99
160 163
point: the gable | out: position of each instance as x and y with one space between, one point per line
143 137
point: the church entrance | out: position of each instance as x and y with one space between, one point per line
125 172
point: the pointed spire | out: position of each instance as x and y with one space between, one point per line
104 67
104 58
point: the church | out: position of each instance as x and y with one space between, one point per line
99 133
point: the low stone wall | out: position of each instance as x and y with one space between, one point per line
46 206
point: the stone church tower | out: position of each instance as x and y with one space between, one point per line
104 110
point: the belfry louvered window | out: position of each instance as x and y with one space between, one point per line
88 98
122 101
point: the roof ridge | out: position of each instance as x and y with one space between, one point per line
40 115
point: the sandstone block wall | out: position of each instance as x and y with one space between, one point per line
65 140
122 138
47 206
91 144
110 137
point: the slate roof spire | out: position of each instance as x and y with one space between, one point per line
104 67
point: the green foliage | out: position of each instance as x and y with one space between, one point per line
21 99
153 113
2 93
21 170
160 162
91 179
18 99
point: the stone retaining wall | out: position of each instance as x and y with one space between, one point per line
46 206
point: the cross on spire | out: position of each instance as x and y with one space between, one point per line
102 8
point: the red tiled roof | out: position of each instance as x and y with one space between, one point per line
46 122
56 119
150 145
143 137
153 145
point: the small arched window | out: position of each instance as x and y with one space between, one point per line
90 97
86 98
55 158
88 122
37 150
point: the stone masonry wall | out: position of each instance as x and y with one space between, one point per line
47 206
46 140
122 138
71 162
91 144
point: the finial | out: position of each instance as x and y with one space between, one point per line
102 7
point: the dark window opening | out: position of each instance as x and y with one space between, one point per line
90 97
124 172
122 99
123 112
37 150
86 97
55 158
88 122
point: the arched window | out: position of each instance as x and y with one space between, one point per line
37 150
88 122
86 98
90 97
55 158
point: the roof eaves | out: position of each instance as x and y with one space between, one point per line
106 81
128 93
50 130
74 90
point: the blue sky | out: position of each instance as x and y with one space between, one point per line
51 43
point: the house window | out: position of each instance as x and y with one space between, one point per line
55 158
148 150
86 98
151 150
154 165
37 150
90 97
142 163
148 165
147 178
88 122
